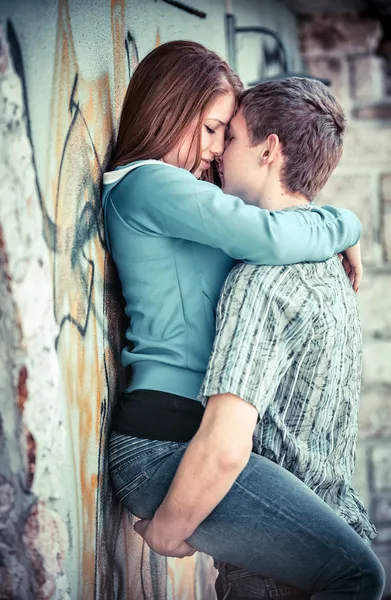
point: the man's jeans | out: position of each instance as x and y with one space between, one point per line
269 523
234 583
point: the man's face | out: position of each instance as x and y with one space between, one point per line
242 174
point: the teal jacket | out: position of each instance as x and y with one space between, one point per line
174 240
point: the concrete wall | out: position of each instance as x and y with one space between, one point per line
257 54
64 68
343 49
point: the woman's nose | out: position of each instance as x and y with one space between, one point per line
218 145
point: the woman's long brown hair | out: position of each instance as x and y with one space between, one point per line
171 87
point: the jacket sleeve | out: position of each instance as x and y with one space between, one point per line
165 201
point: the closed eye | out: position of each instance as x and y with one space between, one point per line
209 130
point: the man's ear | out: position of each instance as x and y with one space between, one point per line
271 149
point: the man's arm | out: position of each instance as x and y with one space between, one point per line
254 344
216 455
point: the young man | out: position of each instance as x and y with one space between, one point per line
284 374
288 339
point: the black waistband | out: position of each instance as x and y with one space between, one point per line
157 415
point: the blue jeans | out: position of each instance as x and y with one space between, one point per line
269 523
234 583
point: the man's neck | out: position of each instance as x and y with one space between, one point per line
275 198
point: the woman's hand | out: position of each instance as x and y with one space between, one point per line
351 261
161 544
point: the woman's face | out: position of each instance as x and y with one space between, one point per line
212 137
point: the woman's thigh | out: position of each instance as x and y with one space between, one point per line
268 523
141 472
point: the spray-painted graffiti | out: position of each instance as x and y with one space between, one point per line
88 312
272 61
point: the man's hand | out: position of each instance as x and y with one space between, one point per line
351 261
159 544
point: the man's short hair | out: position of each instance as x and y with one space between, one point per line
309 122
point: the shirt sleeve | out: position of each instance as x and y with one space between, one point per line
162 200
264 320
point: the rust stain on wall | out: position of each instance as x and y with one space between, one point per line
82 126
117 30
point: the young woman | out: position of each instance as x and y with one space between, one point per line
174 236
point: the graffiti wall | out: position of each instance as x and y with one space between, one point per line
64 68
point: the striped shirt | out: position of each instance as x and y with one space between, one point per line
288 340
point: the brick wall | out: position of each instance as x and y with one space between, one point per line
343 48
